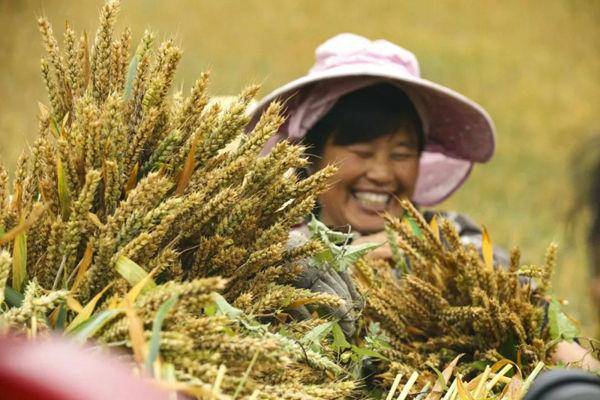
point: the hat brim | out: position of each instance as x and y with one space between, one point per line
458 130
456 126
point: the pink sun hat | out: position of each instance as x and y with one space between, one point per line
458 131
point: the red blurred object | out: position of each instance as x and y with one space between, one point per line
55 369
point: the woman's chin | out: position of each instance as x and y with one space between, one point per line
367 224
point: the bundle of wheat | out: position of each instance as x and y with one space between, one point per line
128 215
442 300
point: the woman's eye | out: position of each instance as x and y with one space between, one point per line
401 156
362 153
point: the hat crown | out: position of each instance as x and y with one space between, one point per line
347 49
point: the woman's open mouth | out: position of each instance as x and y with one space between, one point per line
372 201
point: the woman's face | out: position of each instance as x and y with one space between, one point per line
371 177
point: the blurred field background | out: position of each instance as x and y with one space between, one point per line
534 65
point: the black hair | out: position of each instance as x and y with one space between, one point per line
366 114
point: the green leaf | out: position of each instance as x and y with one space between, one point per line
478 365
168 372
283 331
62 318
373 392
19 270
440 378
337 253
352 254
228 331
364 352
55 129
397 254
12 297
374 329
252 325
87 310
132 272
210 310
224 307
376 338
93 324
154 345
559 324
322 231
313 337
131 72
322 259
413 225
339 339
2 231
64 197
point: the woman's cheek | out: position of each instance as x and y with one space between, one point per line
350 167
407 173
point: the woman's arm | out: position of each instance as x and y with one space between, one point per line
382 252
572 353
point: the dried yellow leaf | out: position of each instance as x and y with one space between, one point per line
463 393
19 270
33 216
132 181
74 305
188 169
87 311
487 250
435 228
83 266
136 333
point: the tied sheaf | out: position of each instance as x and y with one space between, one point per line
133 204
453 302
122 174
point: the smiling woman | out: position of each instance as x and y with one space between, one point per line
364 107
374 136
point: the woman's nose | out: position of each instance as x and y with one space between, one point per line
380 171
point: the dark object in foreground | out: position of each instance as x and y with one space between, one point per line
563 384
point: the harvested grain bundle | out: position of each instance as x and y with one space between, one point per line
450 301
129 216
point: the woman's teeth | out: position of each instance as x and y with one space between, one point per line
372 199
